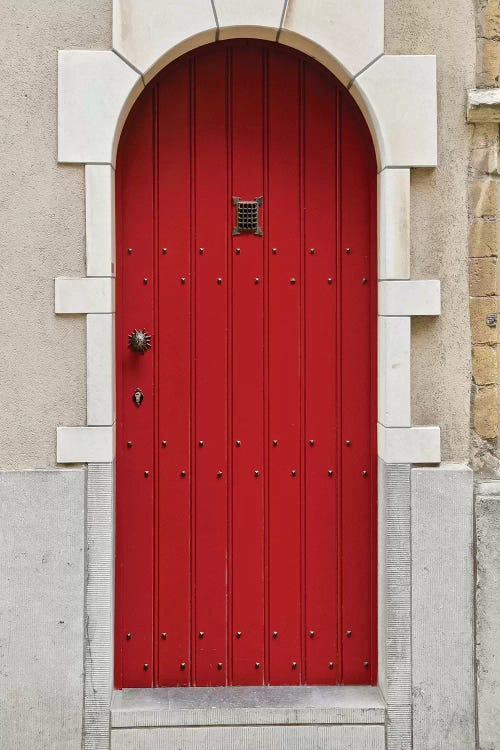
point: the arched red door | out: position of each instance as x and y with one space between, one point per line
246 487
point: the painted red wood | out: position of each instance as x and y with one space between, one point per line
357 170
135 445
256 518
210 331
174 391
320 391
247 443
285 468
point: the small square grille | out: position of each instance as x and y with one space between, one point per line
247 216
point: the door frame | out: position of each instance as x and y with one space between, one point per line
397 95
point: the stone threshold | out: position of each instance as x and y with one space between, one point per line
233 706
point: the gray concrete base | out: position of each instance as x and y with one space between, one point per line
41 609
488 614
442 608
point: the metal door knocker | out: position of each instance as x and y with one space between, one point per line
139 341
138 397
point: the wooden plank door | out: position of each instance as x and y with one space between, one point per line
246 475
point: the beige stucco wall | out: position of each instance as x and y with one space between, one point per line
42 223
42 359
439 218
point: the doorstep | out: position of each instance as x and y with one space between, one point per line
246 718
224 706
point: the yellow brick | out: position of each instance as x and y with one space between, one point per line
485 199
480 309
486 412
485 160
489 20
484 238
483 277
489 62
484 365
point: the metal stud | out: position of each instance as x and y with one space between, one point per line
219 665
164 636
256 280
183 279
257 664
294 665
348 633
201 443
275 251
330 472
348 443
164 250
146 474
293 281
219 280
275 634
145 281
275 443
330 665
364 280
364 473
129 636
201 634
183 666
146 667
219 475
202 250
330 280
183 474
311 634
239 634
164 443
129 251
312 251
238 251
311 443
129 444
256 473
366 664
238 443
348 251
294 473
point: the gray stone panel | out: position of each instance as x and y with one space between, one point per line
488 614
442 608
394 600
41 609
251 738
99 606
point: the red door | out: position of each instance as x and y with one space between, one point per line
246 487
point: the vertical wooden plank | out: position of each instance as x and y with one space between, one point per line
358 167
248 375
284 370
135 478
320 289
211 287
174 250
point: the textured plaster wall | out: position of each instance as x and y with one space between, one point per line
439 219
42 368
42 220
